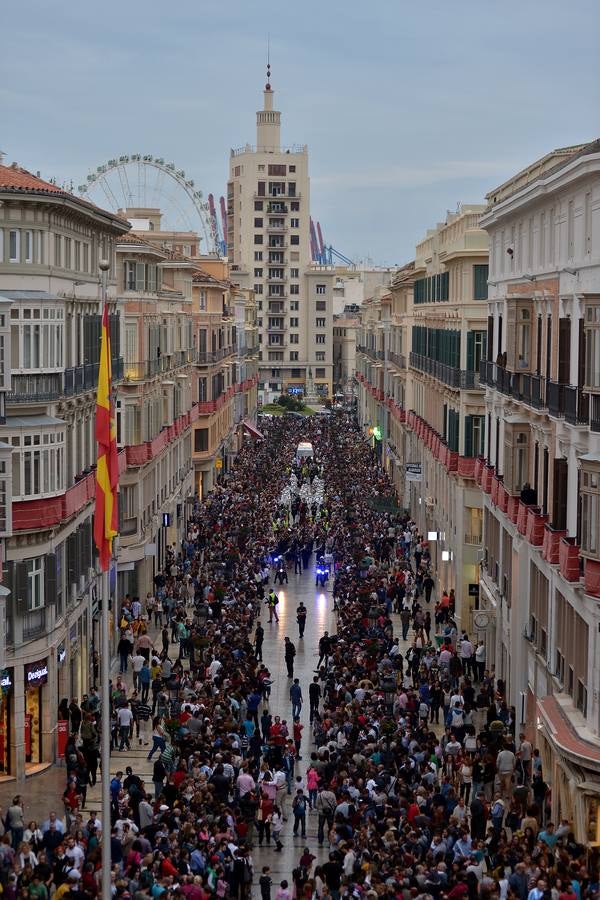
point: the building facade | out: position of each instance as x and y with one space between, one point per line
420 346
268 228
50 247
541 473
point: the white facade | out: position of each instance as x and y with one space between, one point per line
268 220
541 576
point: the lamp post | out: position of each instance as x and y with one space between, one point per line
385 325
104 266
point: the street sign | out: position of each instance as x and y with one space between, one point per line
218 463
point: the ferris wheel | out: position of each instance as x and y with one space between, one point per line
142 180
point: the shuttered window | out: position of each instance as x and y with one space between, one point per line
480 285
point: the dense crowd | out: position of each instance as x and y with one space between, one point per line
413 770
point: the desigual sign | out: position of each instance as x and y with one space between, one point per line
36 673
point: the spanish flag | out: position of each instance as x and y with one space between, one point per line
107 467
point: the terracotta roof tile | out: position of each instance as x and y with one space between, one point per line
14 178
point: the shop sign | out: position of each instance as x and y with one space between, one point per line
62 732
413 471
61 654
36 674
6 681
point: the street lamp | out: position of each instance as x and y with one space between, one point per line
385 325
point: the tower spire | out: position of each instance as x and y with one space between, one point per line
268 120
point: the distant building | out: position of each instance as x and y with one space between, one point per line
268 227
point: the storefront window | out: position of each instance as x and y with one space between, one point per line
593 821
6 686
36 677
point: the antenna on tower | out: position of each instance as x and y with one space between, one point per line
268 84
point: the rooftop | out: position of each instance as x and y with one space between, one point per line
14 179
549 163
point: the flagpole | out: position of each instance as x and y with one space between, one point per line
105 686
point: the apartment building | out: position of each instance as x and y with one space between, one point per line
155 406
268 227
541 472
50 246
420 347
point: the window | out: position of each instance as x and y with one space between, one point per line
201 440
320 338
590 512
587 223
294 239
551 234
523 338
542 242
68 244
294 356
319 373
292 189
258 288
321 289
592 348
258 256
291 169
521 460
320 323
294 338
129 276
29 246
276 169
571 229
294 322
320 356
258 238
296 373
35 583
480 285
295 289
14 240
258 273
258 205
295 223
37 464
294 305
321 305
258 222
294 205
294 273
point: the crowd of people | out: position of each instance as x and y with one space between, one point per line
418 780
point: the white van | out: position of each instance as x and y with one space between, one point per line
304 450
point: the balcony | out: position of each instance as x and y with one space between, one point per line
43 388
209 357
473 539
274 208
276 279
556 399
449 375
277 229
577 406
34 623
37 388
569 559
398 359
275 307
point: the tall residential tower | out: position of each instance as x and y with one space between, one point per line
268 227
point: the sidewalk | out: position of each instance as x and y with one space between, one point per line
43 793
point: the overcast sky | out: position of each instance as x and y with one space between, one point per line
407 107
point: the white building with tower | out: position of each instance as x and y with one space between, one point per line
268 227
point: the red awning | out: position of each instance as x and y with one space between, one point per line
252 429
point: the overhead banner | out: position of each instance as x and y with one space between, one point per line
413 471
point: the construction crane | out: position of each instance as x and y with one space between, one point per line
224 219
322 254
221 240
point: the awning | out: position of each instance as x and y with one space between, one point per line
252 429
